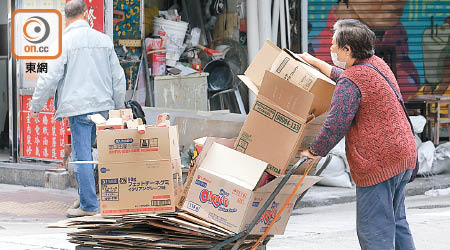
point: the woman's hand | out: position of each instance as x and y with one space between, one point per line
323 66
309 58
306 153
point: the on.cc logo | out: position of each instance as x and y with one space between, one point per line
36 29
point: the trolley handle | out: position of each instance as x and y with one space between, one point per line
263 209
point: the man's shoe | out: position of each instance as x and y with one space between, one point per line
76 204
78 212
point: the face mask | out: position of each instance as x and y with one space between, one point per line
334 58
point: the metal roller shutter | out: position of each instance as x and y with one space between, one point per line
412 36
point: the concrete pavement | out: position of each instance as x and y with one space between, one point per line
19 203
25 212
333 227
322 196
37 175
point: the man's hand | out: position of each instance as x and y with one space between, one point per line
35 115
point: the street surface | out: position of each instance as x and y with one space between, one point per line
25 213
334 227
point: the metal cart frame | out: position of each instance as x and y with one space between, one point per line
240 237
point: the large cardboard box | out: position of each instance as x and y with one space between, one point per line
289 66
208 143
139 187
276 123
139 173
225 191
289 100
127 145
309 134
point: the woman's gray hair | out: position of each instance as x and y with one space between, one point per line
74 8
357 35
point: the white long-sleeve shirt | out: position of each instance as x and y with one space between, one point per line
86 78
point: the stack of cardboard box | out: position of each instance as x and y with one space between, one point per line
225 186
139 172
292 102
139 168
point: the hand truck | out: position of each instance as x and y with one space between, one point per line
240 237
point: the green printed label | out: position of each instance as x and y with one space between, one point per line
264 110
274 169
288 122
242 145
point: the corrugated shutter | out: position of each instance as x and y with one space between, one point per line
413 37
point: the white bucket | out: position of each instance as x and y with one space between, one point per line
174 37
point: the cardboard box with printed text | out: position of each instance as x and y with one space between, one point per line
204 148
291 95
139 173
276 123
288 66
224 191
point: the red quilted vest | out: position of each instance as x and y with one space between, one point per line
379 144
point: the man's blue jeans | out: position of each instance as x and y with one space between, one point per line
83 133
380 215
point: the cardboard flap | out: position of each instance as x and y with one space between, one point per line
311 68
286 95
209 142
322 89
263 61
229 163
251 85
323 93
174 142
308 182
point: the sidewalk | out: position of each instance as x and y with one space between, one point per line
25 212
19 202
322 196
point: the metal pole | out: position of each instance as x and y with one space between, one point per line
108 27
262 210
304 25
283 24
288 24
275 20
325 165
252 38
264 21
12 91
150 101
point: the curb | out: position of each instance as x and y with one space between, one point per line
324 196
36 175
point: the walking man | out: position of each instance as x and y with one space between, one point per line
86 79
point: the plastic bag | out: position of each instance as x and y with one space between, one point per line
425 158
418 123
335 175
137 110
441 163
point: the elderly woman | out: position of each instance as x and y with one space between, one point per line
380 145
